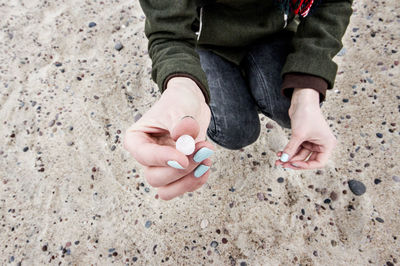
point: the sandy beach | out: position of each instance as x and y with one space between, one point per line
71 195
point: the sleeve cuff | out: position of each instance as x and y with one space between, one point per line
199 84
299 80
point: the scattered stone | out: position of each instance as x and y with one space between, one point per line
76 242
280 179
396 178
25 149
148 224
379 135
260 196
243 263
58 64
137 117
379 219
345 100
118 46
44 248
377 181
327 201
269 125
92 24
333 196
204 223
224 240
357 187
214 244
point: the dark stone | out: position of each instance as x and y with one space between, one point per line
118 46
92 24
58 64
379 219
357 187
379 135
327 201
214 244
25 149
377 181
333 195
280 180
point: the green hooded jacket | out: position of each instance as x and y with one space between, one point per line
175 28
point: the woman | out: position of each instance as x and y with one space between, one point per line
220 63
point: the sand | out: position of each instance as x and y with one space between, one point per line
70 193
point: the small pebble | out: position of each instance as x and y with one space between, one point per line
333 195
260 196
148 224
224 240
377 181
243 263
357 187
214 244
280 180
118 46
327 201
204 223
92 24
25 149
58 64
379 219
269 125
379 135
396 178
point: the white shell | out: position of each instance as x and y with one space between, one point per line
185 144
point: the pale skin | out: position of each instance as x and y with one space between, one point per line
151 140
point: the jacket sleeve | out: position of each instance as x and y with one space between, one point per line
171 42
316 42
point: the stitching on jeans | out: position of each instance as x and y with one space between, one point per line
263 83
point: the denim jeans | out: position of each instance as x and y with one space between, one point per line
240 93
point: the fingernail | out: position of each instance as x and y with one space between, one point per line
200 170
202 154
285 157
175 164
295 165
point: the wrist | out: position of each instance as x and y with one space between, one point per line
304 98
184 87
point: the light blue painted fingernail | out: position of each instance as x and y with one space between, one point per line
202 154
200 170
175 164
284 157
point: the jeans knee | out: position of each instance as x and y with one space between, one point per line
235 138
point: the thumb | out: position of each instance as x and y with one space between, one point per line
291 148
186 126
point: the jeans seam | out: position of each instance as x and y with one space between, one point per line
258 71
215 123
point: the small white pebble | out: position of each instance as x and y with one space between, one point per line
204 224
185 144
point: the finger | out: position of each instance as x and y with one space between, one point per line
312 146
291 148
186 126
163 176
317 160
158 176
183 185
301 155
148 153
279 162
